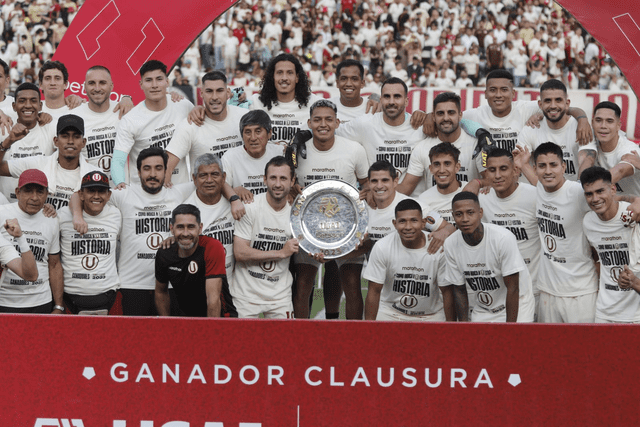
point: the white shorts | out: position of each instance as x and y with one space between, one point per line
271 310
601 320
580 309
391 315
304 258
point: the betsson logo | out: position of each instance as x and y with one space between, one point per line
65 422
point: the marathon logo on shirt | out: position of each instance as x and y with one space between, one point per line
397 156
23 152
414 284
269 242
221 147
481 280
504 139
377 233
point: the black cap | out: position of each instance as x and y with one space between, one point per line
70 121
95 179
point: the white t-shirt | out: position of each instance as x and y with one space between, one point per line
142 128
441 203
38 142
517 213
266 230
62 182
504 130
410 277
287 118
246 171
384 142
42 234
346 114
217 222
100 131
564 137
89 260
631 184
56 113
145 224
380 220
611 240
566 266
215 137
346 161
483 267
469 167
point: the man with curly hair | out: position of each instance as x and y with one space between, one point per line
286 96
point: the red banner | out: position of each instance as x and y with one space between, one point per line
69 371
123 34
616 25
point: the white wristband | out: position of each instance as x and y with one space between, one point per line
629 163
23 245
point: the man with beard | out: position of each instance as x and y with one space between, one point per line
146 211
262 245
194 265
558 127
285 96
64 168
100 119
447 114
387 135
219 131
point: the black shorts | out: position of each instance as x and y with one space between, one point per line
79 303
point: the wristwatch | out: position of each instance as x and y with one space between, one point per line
58 307
231 199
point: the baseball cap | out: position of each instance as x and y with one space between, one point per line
95 179
70 121
33 176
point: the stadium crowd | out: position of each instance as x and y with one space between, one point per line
431 43
515 211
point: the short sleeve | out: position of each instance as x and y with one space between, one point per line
228 169
244 227
180 143
124 136
7 252
417 162
453 275
55 241
214 259
17 166
511 258
362 163
161 266
376 270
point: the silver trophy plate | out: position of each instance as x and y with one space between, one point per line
329 218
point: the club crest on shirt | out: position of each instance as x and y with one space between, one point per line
89 262
193 267
329 206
